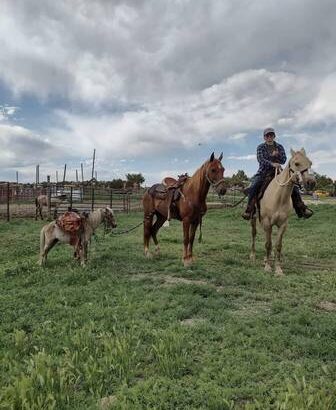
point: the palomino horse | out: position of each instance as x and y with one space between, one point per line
276 205
43 201
189 208
52 233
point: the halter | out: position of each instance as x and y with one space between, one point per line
294 173
214 184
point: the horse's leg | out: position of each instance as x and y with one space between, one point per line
278 247
148 222
40 211
186 240
268 246
160 220
254 234
192 232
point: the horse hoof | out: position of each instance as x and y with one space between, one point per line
157 251
187 262
268 268
252 257
148 255
279 271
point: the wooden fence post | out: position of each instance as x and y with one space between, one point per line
111 193
92 198
8 217
124 202
71 198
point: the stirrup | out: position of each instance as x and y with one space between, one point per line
307 216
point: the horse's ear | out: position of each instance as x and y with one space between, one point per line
220 157
303 151
212 157
292 152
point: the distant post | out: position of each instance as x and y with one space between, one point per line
64 173
8 187
92 197
49 196
93 162
71 197
111 193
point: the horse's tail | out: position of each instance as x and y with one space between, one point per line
42 241
200 238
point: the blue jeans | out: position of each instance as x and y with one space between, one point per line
256 184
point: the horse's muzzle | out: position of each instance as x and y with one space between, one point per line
310 184
221 190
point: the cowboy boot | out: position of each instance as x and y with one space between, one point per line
250 210
302 211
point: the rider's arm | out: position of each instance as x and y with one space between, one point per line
261 156
282 158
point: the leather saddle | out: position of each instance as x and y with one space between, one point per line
71 223
169 189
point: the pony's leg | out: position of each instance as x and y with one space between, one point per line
83 254
192 232
268 246
47 247
148 222
254 234
186 240
278 247
40 211
160 220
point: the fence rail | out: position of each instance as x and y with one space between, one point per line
18 200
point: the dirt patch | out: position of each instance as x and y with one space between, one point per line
328 306
107 402
251 308
172 280
191 322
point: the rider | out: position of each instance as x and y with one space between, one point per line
271 156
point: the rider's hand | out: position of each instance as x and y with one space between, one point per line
275 153
276 165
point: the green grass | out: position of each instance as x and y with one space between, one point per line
150 334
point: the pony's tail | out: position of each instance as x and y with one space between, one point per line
42 242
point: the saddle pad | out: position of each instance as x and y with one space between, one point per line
158 190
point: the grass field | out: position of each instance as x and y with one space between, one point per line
130 333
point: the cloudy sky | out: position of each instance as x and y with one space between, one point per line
156 86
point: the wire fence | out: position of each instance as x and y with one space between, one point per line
19 200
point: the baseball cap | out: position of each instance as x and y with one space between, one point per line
268 130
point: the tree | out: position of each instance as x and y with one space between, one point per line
324 182
240 178
116 183
132 179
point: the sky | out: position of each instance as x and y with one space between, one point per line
156 86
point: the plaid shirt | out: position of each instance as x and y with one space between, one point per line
265 159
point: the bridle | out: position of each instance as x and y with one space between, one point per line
214 184
292 173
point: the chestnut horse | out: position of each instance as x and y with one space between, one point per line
189 208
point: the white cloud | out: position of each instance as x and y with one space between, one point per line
249 157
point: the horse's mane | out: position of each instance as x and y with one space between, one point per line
197 178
